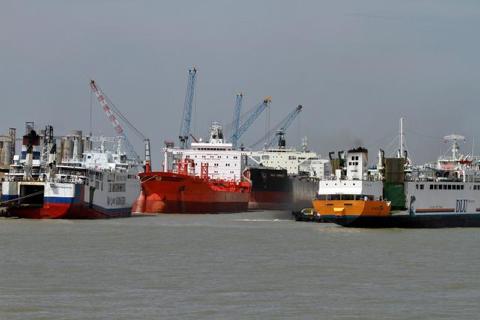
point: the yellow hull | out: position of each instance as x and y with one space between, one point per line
373 208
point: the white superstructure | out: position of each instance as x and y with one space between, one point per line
294 161
451 185
218 156
109 176
352 181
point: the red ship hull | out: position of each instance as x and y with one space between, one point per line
66 211
167 192
74 207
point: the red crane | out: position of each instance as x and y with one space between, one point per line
102 99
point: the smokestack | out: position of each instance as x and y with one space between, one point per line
381 164
12 132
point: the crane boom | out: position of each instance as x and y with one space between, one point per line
236 118
103 100
251 119
279 129
187 109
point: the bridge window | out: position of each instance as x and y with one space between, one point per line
117 187
333 197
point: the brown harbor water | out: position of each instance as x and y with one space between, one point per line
257 265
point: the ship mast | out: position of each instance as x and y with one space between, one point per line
455 148
402 139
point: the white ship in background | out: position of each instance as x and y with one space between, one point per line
303 162
285 178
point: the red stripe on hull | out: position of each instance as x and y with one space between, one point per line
167 192
203 207
269 200
64 211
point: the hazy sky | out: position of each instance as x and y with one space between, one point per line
356 66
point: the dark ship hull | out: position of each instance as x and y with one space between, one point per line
274 189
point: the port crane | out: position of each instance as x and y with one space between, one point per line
279 130
187 109
236 117
110 110
252 115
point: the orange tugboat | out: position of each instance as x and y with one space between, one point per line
397 194
357 195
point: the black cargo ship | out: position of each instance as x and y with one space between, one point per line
274 189
271 189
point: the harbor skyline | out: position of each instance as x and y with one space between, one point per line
356 68
273 159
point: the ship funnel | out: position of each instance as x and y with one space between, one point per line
52 154
12 132
381 163
282 143
341 158
216 133
30 140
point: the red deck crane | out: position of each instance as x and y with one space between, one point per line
107 108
